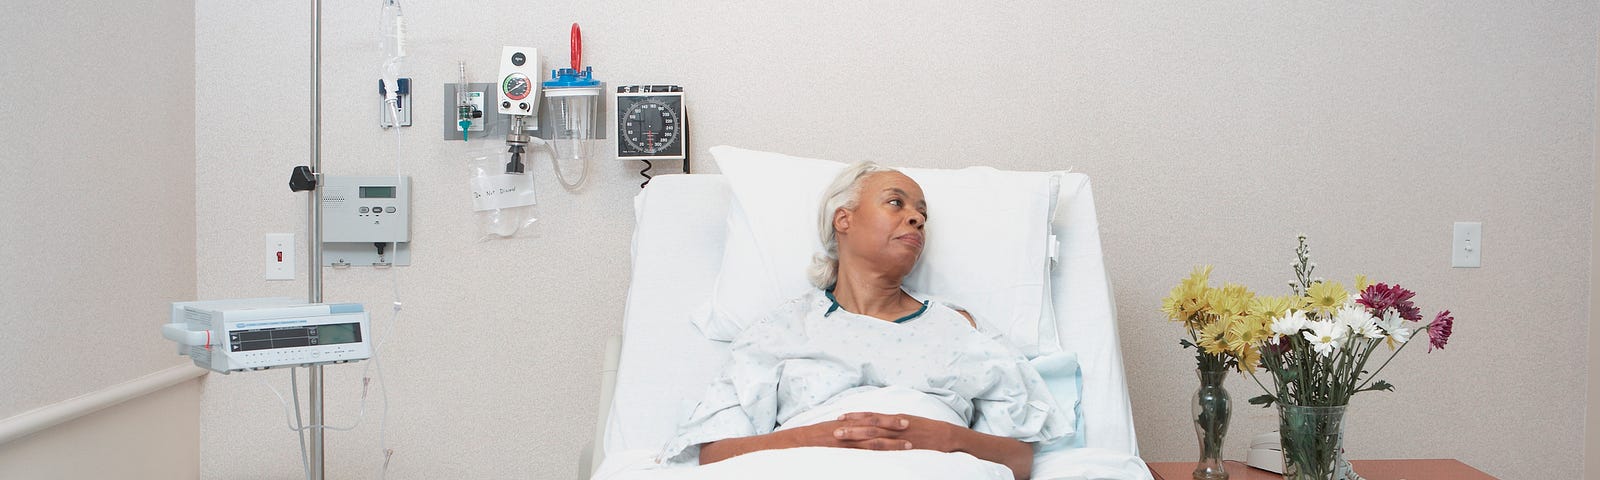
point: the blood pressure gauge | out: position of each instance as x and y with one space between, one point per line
651 124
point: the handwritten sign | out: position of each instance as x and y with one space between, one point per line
490 192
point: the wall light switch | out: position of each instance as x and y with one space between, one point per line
1467 249
279 256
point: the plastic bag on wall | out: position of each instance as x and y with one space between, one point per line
504 203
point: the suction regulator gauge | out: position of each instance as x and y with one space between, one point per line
516 86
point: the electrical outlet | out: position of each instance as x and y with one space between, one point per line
1466 250
279 256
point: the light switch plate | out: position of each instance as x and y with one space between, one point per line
1466 250
279 256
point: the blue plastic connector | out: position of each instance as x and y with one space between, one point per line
567 77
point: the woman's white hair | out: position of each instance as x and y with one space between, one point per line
844 192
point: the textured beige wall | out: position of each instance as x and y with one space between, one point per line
1214 132
147 438
97 194
1591 464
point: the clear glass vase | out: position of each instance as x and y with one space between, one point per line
1211 410
1313 443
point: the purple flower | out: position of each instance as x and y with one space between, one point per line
1382 296
1439 330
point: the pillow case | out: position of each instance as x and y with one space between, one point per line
985 249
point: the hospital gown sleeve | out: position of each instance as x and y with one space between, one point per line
742 401
1009 398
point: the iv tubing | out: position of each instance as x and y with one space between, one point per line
555 163
294 389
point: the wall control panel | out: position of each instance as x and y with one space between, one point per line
366 209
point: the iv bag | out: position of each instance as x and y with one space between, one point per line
503 202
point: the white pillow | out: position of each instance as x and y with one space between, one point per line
986 243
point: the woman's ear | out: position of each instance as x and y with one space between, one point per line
841 220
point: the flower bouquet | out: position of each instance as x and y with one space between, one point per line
1317 352
1224 326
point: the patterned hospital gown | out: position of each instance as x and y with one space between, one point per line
803 356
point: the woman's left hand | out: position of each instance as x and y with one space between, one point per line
918 432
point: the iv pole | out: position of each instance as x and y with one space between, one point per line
314 233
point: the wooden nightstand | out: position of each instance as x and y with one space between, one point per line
1430 469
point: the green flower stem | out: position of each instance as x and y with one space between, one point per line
1386 362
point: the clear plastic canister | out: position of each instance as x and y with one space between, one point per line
574 110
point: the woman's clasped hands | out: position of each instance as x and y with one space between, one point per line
879 431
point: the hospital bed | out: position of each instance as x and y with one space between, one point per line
660 367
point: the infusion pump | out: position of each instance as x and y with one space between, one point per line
260 333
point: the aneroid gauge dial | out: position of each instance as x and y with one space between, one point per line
650 123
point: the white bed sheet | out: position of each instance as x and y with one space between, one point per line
677 246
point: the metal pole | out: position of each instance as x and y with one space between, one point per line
314 231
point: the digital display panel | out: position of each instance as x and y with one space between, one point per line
287 337
377 192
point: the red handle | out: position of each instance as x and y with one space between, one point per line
577 47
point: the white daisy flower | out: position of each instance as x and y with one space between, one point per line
1358 321
1391 323
1325 336
1289 324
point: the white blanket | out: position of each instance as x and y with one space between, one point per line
844 463
811 353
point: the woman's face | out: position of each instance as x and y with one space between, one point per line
885 230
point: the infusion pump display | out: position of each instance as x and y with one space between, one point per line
296 336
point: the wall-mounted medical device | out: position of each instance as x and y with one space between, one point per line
366 221
519 90
652 124
519 98
574 101
259 333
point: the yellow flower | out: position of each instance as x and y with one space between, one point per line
1230 300
1249 359
1326 297
1271 307
1188 298
1198 278
1213 338
1173 304
1243 333
1361 283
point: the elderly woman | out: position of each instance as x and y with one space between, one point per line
861 363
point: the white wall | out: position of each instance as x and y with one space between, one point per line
1214 133
97 203
98 193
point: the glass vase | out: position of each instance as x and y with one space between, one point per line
1313 443
1211 410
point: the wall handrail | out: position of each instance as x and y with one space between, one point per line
31 421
